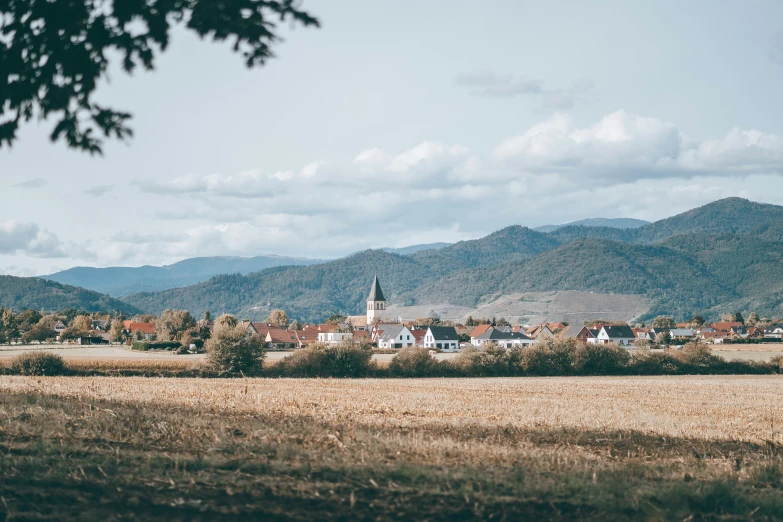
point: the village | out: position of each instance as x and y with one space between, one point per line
178 330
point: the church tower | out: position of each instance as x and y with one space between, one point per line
375 302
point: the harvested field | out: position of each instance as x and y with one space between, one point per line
747 355
440 449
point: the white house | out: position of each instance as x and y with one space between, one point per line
621 335
444 338
332 338
680 333
774 331
501 338
59 327
395 336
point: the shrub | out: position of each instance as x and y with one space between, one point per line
231 350
38 364
413 362
600 359
492 361
349 358
655 363
698 354
776 363
549 357
151 345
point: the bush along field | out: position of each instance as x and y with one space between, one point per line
232 354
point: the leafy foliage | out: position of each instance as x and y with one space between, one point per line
230 350
53 54
38 364
349 358
412 362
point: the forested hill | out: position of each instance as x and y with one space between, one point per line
20 293
725 256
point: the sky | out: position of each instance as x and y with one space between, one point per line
400 123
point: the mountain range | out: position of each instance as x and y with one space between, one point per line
724 256
119 281
597 222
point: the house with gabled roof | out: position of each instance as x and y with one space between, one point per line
581 332
725 326
506 339
278 338
479 329
540 331
621 335
443 338
773 331
395 336
680 334
147 330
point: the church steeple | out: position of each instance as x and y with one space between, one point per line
376 303
376 294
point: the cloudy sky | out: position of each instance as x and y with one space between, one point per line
408 122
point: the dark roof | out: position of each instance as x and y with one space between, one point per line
619 331
493 334
575 329
445 333
376 294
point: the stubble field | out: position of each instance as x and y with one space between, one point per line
439 449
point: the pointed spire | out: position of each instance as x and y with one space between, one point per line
376 294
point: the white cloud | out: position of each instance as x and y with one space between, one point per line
31 184
493 85
623 146
380 198
28 239
98 190
776 53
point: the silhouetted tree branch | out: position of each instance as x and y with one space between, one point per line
53 53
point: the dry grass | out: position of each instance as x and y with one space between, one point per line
441 449
748 408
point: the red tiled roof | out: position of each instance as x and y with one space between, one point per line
133 327
725 325
480 329
280 336
418 335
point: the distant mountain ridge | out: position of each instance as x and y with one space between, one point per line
405 251
723 256
621 223
119 281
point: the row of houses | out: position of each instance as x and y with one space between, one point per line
400 334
